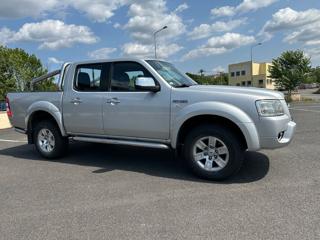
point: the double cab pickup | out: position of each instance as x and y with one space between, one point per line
149 103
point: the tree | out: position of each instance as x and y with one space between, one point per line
289 70
17 69
201 71
314 76
221 79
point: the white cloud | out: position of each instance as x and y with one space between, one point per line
26 8
53 34
225 11
147 51
181 7
148 16
218 69
101 53
244 7
253 5
117 25
205 30
219 45
5 35
308 35
288 18
97 10
298 26
54 60
313 53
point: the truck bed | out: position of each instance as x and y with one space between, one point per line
21 102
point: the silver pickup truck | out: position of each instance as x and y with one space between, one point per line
149 103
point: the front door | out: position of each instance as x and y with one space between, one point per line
134 113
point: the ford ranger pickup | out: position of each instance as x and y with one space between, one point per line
149 103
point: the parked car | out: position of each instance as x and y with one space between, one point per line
3 106
149 103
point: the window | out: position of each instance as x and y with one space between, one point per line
232 74
238 73
89 78
249 83
170 74
261 82
124 75
243 83
238 84
243 72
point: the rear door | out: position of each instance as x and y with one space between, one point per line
82 101
130 112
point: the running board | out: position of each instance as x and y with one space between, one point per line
122 142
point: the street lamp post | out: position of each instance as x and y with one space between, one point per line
155 40
253 46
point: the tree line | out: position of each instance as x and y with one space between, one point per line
17 69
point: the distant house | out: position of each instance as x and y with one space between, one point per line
249 74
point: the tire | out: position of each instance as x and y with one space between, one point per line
222 156
48 140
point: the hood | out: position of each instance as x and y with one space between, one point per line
257 92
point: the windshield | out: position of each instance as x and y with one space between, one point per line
172 75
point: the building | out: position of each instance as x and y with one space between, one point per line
250 75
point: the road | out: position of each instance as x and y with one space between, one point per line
107 192
308 94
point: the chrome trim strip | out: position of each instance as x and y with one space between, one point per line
135 139
19 130
122 142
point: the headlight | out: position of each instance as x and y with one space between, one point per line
269 108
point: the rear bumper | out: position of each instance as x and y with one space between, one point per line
280 136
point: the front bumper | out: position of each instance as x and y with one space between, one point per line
280 135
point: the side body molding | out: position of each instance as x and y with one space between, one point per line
49 108
231 112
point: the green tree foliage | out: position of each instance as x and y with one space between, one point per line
289 70
221 79
17 69
314 76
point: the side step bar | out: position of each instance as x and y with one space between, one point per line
121 142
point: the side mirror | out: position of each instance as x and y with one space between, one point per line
146 84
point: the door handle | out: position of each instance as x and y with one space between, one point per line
76 101
113 101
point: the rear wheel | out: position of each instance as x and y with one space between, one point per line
213 152
48 140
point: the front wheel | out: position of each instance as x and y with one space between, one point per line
48 140
213 152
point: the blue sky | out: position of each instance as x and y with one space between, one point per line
206 34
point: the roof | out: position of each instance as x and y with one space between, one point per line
114 60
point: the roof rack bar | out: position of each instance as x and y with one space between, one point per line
44 77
